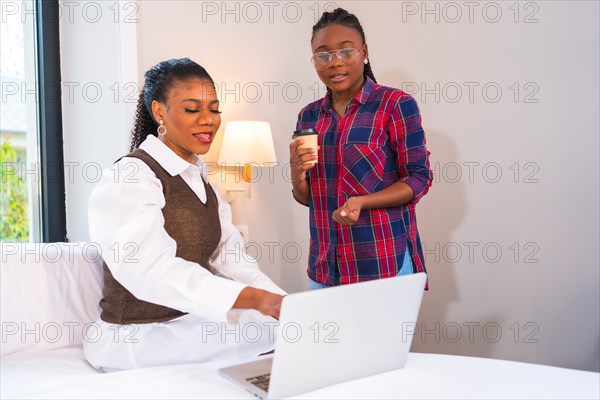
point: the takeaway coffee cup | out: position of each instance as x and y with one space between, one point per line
310 140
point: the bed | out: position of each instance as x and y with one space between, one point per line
49 300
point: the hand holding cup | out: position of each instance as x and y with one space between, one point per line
307 139
303 153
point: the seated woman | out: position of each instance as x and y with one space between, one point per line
177 288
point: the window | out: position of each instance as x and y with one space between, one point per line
32 205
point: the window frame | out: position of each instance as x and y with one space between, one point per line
53 204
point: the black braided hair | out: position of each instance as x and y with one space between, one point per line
158 81
342 17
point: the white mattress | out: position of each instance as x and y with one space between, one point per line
62 373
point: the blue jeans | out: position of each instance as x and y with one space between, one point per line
406 269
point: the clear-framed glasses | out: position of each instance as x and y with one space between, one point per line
322 60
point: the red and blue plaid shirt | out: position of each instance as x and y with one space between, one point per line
377 142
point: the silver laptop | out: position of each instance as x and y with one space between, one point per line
334 335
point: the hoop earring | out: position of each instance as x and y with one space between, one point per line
161 130
366 61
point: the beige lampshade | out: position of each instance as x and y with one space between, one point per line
247 142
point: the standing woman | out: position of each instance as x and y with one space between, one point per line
372 169
176 287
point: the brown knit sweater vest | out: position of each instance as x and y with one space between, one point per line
194 226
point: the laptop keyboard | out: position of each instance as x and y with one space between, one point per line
262 381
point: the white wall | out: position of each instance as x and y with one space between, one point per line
99 76
510 226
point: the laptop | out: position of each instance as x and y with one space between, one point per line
337 334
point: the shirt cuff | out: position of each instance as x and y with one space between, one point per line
222 294
298 201
416 188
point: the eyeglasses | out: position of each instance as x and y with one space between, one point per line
323 59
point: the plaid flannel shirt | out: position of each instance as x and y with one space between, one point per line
377 142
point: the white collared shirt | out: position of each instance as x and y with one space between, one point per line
126 221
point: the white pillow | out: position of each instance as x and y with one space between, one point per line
49 295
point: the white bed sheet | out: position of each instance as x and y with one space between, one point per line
63 373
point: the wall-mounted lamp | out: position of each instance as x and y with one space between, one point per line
245 144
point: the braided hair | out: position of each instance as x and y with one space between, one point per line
342 17
158 81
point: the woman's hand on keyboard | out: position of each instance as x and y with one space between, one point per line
265 302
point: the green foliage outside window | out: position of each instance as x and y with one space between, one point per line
14 223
